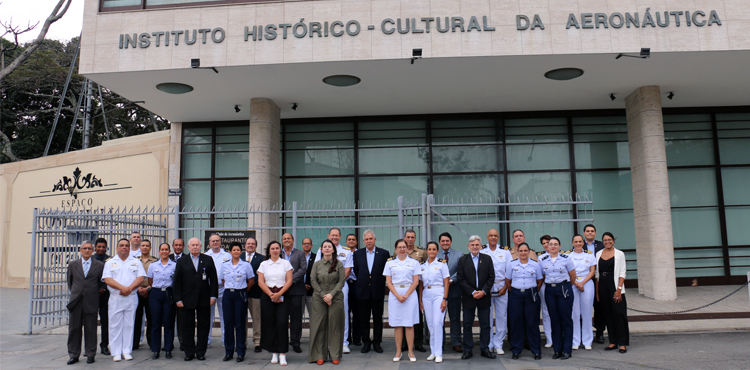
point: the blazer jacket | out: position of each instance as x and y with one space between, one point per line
85 289
188 285
299 269
620 267
171 255
454 291
310 263
370 285
598 246
466 280
255 291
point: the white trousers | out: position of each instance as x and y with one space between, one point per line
346 313
121 323
500 308
583 305
431 299
221 316
546 323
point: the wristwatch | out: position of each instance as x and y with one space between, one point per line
619 287
445 298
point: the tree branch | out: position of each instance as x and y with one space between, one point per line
7 150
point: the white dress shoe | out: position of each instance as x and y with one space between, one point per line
397 359
430 357
588 348
275 358
439 359
282 359
412 359
127 356
499 351
575 347
346 349
548 345
117 358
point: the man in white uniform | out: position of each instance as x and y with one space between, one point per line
122 274
345 256
135 244
501 261
219 256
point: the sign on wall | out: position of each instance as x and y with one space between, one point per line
229 236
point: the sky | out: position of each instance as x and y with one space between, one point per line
24 11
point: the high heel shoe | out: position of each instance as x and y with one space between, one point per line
623 350
610 348
282 359
275 358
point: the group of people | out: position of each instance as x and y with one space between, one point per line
343 289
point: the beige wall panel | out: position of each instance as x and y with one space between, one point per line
360 47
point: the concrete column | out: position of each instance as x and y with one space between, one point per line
175 160
651 206
263 190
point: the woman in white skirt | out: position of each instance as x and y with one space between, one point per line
433 298
402 277
583 293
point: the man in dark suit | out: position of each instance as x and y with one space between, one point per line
84 281
100 254
591 244
369 263
451 257
307 245
476 274
297 292
253 295
195 289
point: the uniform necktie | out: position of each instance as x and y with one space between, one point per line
446 256
86 268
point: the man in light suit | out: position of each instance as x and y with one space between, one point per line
253 295
369 288
297 292
476 275
84 281
451 257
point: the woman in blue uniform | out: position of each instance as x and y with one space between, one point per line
402 277
524 276
583 293
238 277
559 271
433 298
160 274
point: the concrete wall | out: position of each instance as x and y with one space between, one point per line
137 165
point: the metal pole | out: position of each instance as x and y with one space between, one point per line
87 117
294 220
401 219
31 270
75 117
62 97
153 120
425 226
177 221
104 114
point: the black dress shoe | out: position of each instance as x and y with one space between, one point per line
488 354
556 355
458 348
599 339
155 355
240 358
90 360
467 355
258 349
201 357
226 358
420 348
365 348
625 350
357 344
377 347
297 349
537 356
516 356
168 355
610 348
189 357
72 361
105 351
565 356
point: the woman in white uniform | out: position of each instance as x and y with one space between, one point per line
402 277
583 293
433 294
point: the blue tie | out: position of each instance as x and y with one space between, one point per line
86 268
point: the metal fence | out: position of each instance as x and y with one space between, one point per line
57 234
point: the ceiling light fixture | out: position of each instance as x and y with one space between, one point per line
564 74
342 80
174 88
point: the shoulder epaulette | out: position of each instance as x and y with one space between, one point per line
590 252
514 260
441 260
540 253
108 259
390 259
545 257
564 255
506 248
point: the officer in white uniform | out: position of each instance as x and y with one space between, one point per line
434 298
546 324
345 256
402 269
235 278
122 274
219 256
583 301
559 271
501 259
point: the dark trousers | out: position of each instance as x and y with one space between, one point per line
454 312
143 306
273 325
355 330
296 308
235 320
189 344
178 325
559 301
523 316
598 317
615 314
81 324
484 328
162 314
372 307
104 318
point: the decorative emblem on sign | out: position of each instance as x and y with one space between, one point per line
77 182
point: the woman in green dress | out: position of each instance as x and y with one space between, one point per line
327 318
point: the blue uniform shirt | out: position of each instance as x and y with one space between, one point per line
161 274
236 276
558 270
524 276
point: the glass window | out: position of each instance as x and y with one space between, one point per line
463 188
377 190
319 162
610 189
533 187
737 220
620 223
538 157
196 194
196 166
233 130
324 191
467 158
230 193
201 139
739 260
235 164
119 3
318 127
197 130
735 182
602 155
696 227
393 160
463 131
734 151
692 187
689 152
